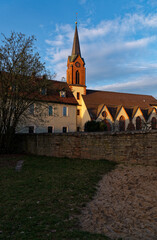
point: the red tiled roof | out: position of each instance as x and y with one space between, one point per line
53 88
94 98
53 93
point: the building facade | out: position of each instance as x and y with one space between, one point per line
55 111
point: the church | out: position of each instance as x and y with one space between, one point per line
69 105
120 111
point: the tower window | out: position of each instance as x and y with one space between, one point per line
78 95
77 77
78 112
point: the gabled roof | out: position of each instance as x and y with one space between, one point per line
114 110
52 90
112 100
100 108
129 111
147 112
73 58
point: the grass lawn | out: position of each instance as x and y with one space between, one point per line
42 201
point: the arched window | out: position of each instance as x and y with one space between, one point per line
122 123
138 123
77 77
153 122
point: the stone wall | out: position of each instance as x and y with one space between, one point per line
135 147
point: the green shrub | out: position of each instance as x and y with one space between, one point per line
93 126
102 126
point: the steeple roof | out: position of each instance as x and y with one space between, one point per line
76 44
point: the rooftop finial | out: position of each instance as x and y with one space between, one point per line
76 18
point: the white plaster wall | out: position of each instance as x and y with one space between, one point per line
153 114
84 115
108 118
138 114
122 112
79 89
41 119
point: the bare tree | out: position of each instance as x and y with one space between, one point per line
20 83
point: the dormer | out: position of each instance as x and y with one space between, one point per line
43 91
62 93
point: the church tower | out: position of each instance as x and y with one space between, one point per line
76 72
76 79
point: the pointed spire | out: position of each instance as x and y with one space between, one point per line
76 45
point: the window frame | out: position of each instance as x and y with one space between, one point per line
65 114
122 123
43 91
154 122
138 123
50 113
65 127
78 95
78 112
29 129
77 75
52 129
31 109
63 94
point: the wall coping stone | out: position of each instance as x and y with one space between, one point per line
89 133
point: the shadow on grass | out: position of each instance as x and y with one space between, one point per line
43 200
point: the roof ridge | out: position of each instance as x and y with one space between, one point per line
118 92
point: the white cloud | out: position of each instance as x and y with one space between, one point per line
136 85
113 50
41 26
57 42
82 1
140 42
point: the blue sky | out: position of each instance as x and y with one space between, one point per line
118 38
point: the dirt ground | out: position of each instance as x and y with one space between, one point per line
125 205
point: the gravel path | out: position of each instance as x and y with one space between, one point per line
125 205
